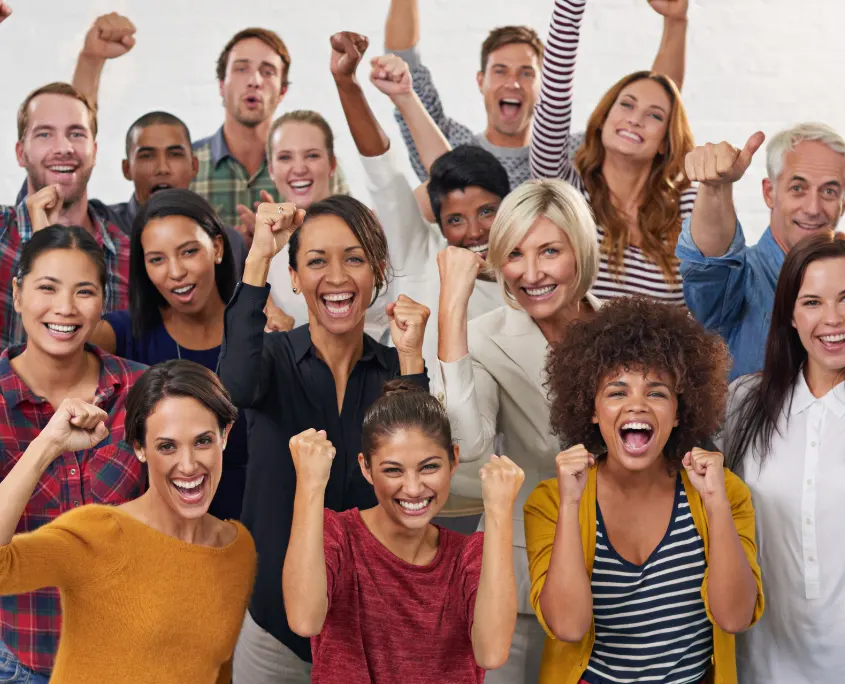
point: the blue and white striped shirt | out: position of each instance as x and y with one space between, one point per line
650 620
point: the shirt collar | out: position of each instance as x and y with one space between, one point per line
300 339
219 148
772 250
803 398
133 206
15 392
98 214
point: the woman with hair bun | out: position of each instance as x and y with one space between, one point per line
384 593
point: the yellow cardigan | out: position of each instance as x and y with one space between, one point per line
564 663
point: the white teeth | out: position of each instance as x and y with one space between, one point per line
300 185
636 426
338 297
62 328
61 169
183 290
189 485
630 136
513 102
478 248
833 338
415 506
538 291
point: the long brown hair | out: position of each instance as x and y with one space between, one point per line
659 217
760 410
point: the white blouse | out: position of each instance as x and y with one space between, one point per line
799 501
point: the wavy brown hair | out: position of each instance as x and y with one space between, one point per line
638 334
659 217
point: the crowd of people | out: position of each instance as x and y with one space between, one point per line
235 407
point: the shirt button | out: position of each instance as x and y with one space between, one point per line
75 503
812 559
812 444
73 471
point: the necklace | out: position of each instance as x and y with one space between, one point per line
216 367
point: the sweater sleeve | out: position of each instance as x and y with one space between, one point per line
540 512
74 549
550 139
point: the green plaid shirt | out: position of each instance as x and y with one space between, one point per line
225 184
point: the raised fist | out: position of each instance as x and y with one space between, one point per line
501 479
572 468
44 207
75 426
671 9
347 51
391 75
312 455
721 164
111 35
706 471
274 224
459 268
5 11
407 325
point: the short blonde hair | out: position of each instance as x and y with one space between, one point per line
561 204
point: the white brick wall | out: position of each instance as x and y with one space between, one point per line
751 64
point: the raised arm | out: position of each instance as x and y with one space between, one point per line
550 138
304 584
111 35
494 617
5 11
671 57
402 28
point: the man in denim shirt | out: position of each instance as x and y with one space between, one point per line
728 286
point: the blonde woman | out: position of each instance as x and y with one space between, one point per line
490 373
630 164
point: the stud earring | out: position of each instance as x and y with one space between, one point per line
218 260
294 290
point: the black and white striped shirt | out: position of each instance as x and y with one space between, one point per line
650 620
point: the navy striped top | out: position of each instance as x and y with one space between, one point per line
651 624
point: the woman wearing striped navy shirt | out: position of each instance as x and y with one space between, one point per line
642 558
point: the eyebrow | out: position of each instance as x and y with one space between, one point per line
622 383
425 461
310 149
82 283
348 249
634 98
182 246
247 60
831 183
815 296
173 439
524 66
152 148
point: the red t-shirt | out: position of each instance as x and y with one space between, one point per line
389 621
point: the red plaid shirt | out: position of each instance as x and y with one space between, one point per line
16 229
108 474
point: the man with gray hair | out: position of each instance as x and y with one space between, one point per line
728 286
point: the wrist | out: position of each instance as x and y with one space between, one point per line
716 504
256 269
346 82
498 513
411 363
403 100
42 452
90 59
676 22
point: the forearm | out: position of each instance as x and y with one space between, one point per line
411 364
304 572
402 28
17 487
86 76
713 221
494 617
428 138
452 314
731 589
369 137
566 600
671 57
256 270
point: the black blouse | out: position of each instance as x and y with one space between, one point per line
286 390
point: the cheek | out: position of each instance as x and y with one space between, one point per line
454 234
511 273
91 308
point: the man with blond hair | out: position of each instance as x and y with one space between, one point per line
728 286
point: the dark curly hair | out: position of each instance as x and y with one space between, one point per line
638 334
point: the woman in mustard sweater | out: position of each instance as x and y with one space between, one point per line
155 589
641 553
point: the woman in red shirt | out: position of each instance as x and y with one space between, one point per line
384 593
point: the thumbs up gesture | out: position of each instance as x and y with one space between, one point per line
721 164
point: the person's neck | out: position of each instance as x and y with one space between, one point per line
48 376
246 143
339 352
779 241
520 139
554 327
412 546
204 325
156 513
822 380
636 484
626 179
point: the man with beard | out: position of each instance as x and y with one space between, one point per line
57 130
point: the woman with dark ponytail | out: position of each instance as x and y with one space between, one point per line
384 593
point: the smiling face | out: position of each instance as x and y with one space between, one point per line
510 84
160 157
60 301
636 412
808 195
466 217
300 164
184 452
333 274
58 146
819 316
637 123
541 271
252 88
410 473
180 257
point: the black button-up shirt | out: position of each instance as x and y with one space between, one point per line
286 390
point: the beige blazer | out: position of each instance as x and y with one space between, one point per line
498 389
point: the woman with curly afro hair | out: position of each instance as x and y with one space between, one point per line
641 553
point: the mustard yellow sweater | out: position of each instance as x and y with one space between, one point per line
137 605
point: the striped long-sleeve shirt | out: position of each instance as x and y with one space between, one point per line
551 157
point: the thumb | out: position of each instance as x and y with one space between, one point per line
389 309
754 143
687 461
266 197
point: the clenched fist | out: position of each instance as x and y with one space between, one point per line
44 207
312 455
407 325
572 468
391 75
721 164
501 479
75 426
671 9
706 471
274 224
459 269
111 35
5 11
347 51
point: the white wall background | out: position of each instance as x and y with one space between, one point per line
751 64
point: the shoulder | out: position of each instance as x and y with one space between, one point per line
93 523
202 143
468 549
236 536
124 369
337 526
738 492
479 328
119 320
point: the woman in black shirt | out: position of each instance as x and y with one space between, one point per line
323 375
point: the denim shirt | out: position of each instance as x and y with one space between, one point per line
733 294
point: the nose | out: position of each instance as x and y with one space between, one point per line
812 204
176 270
162 166
64 145
475 229
64 304
413 486
533 271
299 166
337 273
188 464
834 314
256 79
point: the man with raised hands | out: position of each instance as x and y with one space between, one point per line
730 286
